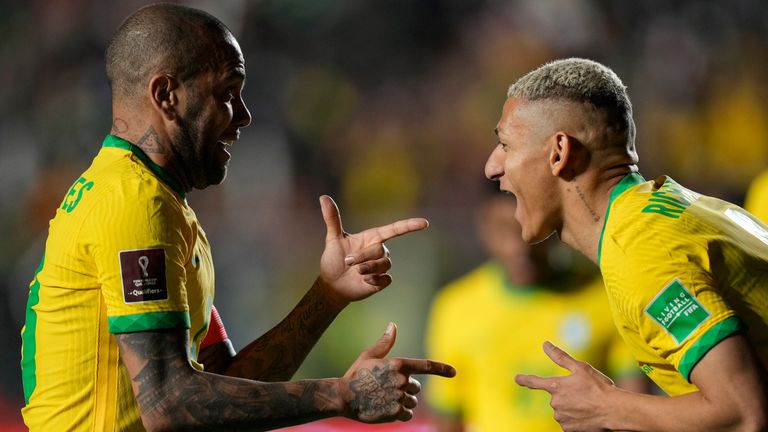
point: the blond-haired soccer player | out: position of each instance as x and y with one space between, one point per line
521 293
121 333
686 274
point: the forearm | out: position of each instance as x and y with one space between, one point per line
172 395
628 411
214 402
277 354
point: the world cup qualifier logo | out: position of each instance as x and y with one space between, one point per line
143 275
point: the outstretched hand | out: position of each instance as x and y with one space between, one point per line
579 399
378 389
355 266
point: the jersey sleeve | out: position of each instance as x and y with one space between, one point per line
677 308
140 245
444 395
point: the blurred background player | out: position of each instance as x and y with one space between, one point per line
756 201
490 323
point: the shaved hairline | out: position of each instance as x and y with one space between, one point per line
162 38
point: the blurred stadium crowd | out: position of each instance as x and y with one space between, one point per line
389 106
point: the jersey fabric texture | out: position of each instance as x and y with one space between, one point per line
124 253
683 271
491 330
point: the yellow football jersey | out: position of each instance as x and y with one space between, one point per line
490 331
682 271
125 253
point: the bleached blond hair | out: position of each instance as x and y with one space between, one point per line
582 81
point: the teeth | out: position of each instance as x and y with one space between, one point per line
228 143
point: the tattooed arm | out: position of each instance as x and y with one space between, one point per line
172 395
352 267
277 354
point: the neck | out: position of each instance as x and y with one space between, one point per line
586 201
153 140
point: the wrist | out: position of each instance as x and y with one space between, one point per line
326 292
612 409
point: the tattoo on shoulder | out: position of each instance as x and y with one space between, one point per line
150 142
119 126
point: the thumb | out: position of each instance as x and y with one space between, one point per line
331 217
382 346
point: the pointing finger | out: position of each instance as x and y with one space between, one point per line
424 366
562 358
400 227
534 382
331 217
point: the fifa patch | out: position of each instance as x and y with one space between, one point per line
677 310
143 274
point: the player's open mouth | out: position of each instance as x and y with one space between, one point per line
227 143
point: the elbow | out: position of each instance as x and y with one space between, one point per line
756 421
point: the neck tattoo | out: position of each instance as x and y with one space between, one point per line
150 142
594 215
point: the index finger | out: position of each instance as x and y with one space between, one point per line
430 367
562 358
400 227
534 382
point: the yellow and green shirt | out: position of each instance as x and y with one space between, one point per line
125 253
491 330
682 271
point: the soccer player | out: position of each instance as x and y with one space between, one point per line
489 324
686 274
121 333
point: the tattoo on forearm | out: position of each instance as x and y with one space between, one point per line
169 393
372 390
150 142
594 215
119 126
278 354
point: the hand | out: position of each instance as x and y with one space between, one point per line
354 266
376 389
579 399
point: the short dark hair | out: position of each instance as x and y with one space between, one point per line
165 38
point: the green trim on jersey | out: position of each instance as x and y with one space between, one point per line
117 142
629 180
29 342
148 321
706 342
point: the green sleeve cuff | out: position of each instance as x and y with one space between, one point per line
148 321
706 342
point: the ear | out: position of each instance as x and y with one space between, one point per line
164 97
560 153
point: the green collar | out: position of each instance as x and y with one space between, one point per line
629 180
117 142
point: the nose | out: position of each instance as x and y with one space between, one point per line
494 166
241 116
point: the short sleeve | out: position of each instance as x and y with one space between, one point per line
140 244
681 314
